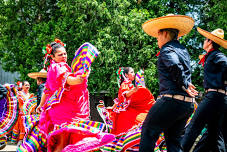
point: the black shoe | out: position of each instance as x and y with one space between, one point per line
2 145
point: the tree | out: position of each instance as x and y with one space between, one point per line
114 27
209 15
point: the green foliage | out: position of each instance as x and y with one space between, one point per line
209 16
113 26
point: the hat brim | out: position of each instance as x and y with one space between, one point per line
182 23
35 75
213 37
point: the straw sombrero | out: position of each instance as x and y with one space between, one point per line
181 22
41 74
217 36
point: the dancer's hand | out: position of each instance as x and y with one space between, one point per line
135 89
38 109
141 117
75 80
80 79
109 108
191 90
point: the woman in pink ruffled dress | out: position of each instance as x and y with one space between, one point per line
64 123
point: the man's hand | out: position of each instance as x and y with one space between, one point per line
191 90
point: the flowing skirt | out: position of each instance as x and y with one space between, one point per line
79 135
61 119
8 111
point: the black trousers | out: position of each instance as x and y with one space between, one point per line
210 112
169 116
203 144
224 129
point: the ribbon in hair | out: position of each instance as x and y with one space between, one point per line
119 73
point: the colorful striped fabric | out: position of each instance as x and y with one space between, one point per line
120 106
92 126
55 98
34 139
14 136
105 116
90 132
8 110
190 118
129 141
30 106
84 56
139 80
30 121
3 139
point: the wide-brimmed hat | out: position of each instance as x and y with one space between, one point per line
41 74
182 23
216 36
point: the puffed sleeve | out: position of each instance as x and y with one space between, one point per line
60 70
124 88
57 76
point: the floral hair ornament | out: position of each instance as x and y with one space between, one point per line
60 42
19 85
119 74
47 51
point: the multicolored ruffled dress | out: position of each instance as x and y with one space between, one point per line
30 105
66 112
18 129
126 117
8 110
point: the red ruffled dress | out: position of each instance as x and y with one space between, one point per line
124 119
126 110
